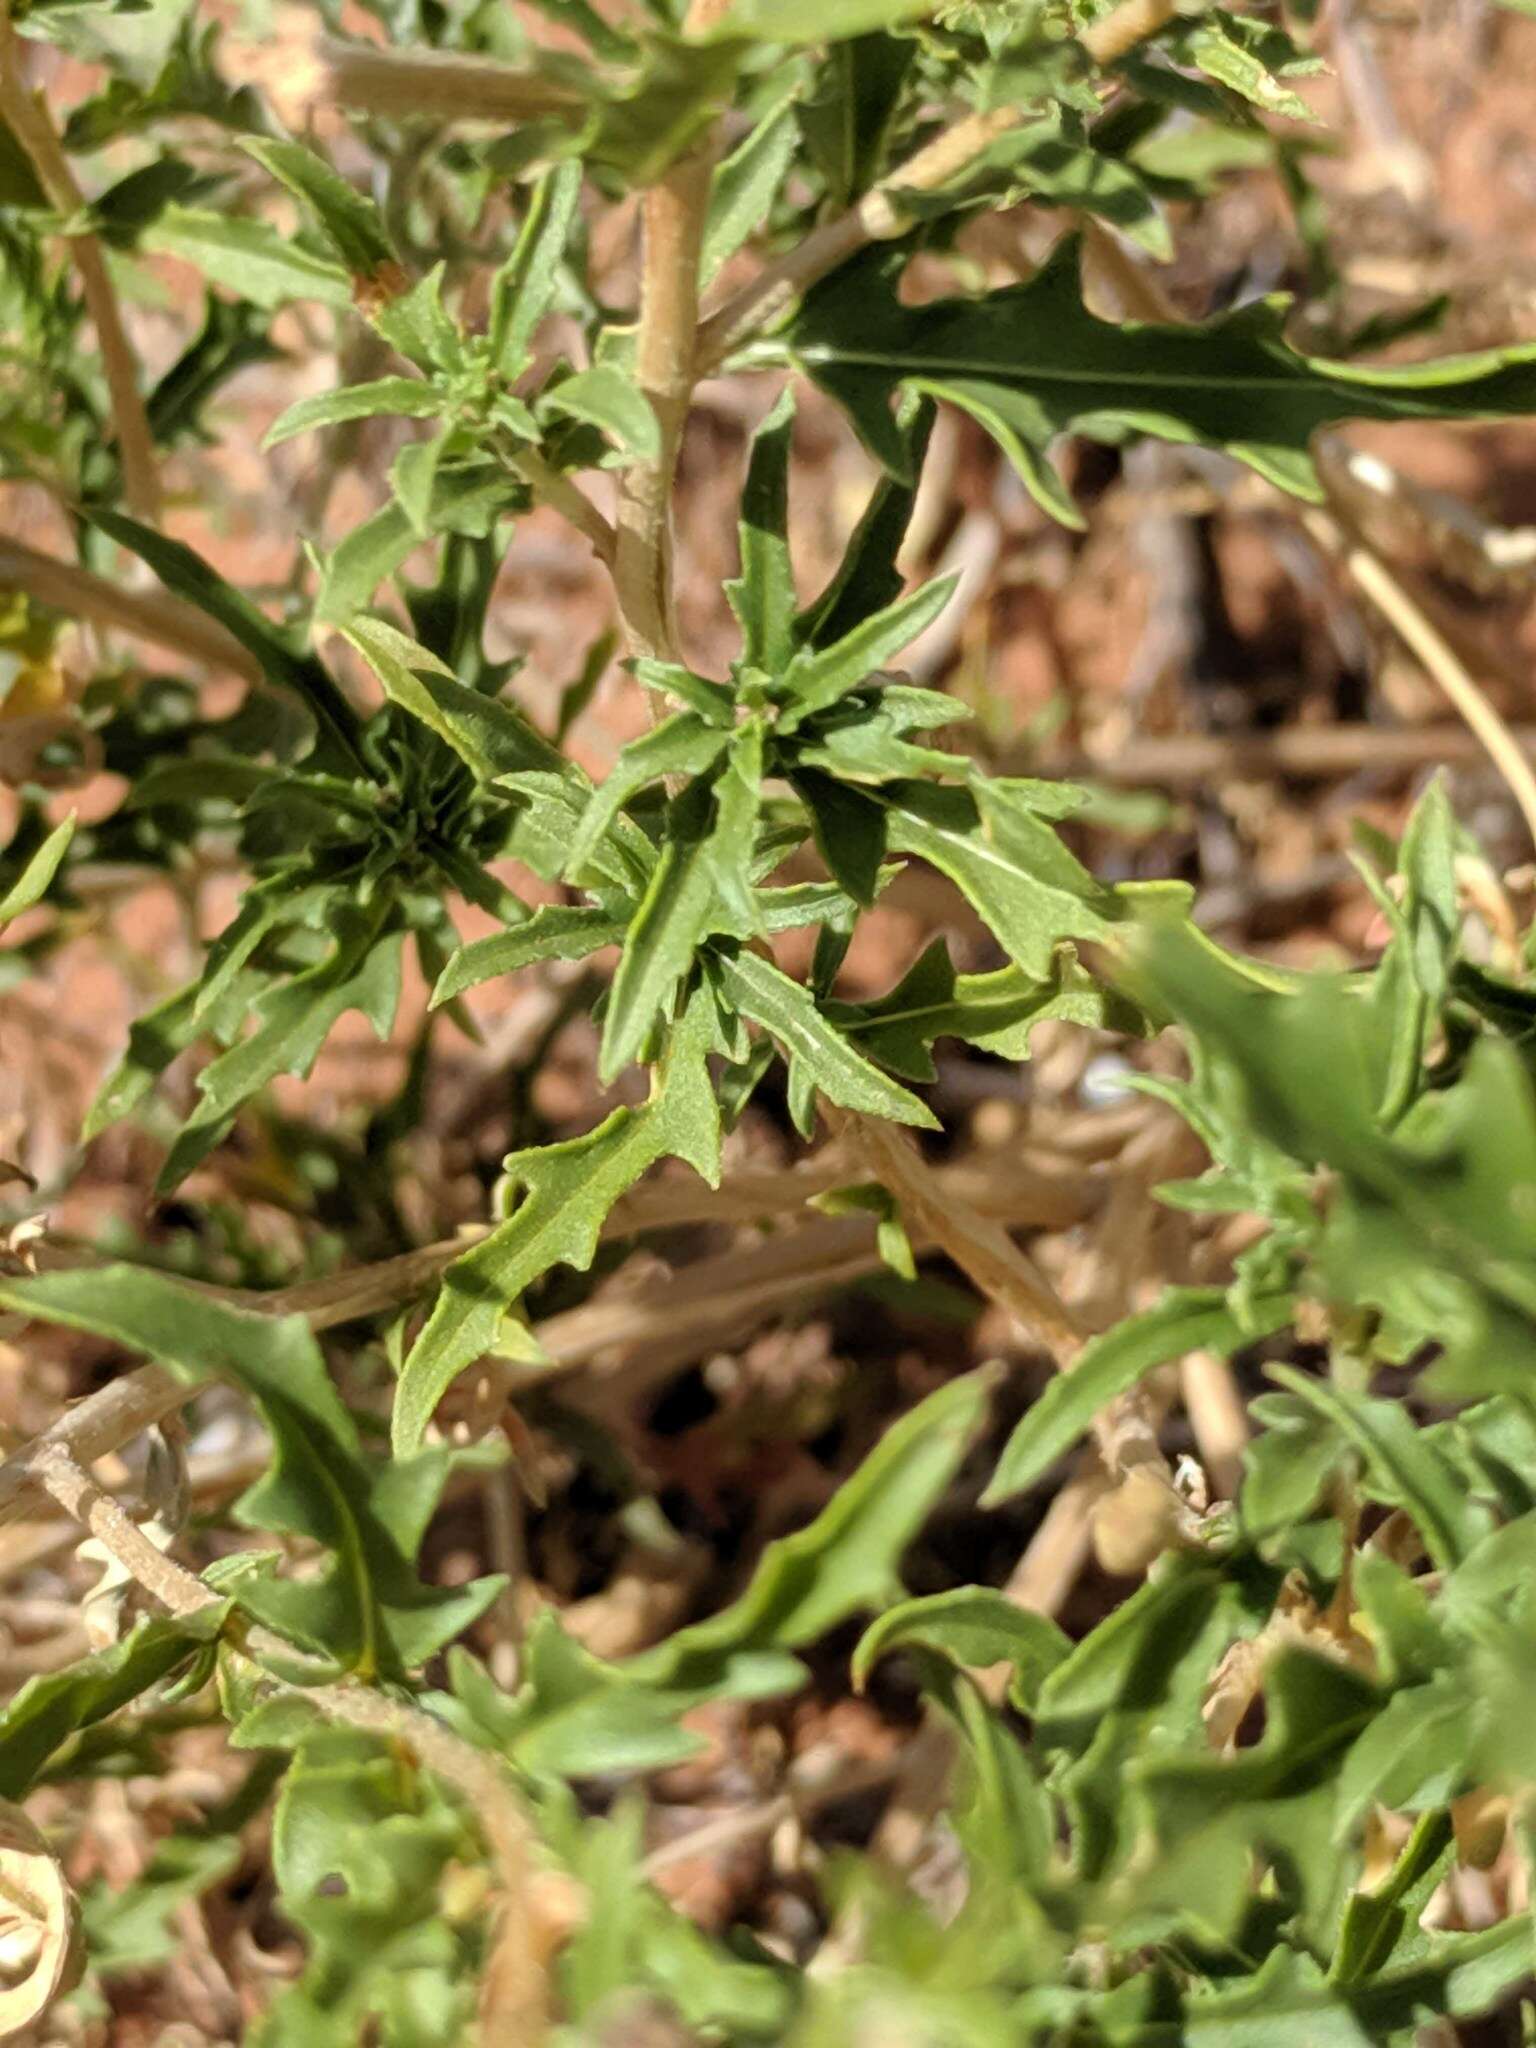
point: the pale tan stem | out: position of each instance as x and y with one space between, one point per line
726 1831
1440 661
1194 760
673 213
182 1592
1141 296
517 2013
1145 1513
880 216
115 1530
28 121
979 1245
1055 1555
515 1988
1218 1419
118 1412
877 217
1335 533
149 615
100 1423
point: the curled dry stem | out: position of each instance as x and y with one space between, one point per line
515 2009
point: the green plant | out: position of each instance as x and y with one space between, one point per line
1173 1826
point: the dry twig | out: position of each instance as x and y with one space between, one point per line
516 2009
743 1284
1439 660
1335 534
152 615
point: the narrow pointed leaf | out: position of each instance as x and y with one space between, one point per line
50 1709
846 1560
31 885
1030 362
664 934
745 184
867 578
789 1013
681 745
190 577
606 399
248 257
568 1190
524 287
816 679
1007 860
1186 1319
352 223
763 596
398 397
489 735
554 932
1413 1472
975 1627
368 1610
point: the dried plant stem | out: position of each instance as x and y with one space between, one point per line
515 1990
520 2013
978 1244
725 1831
673 213
1047 1201
880 216
1440 661
102 1422
1144 1513
1336 535
116 1531
28 121
1192 760
155 616
1218 1418
756 1280
1055 1555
